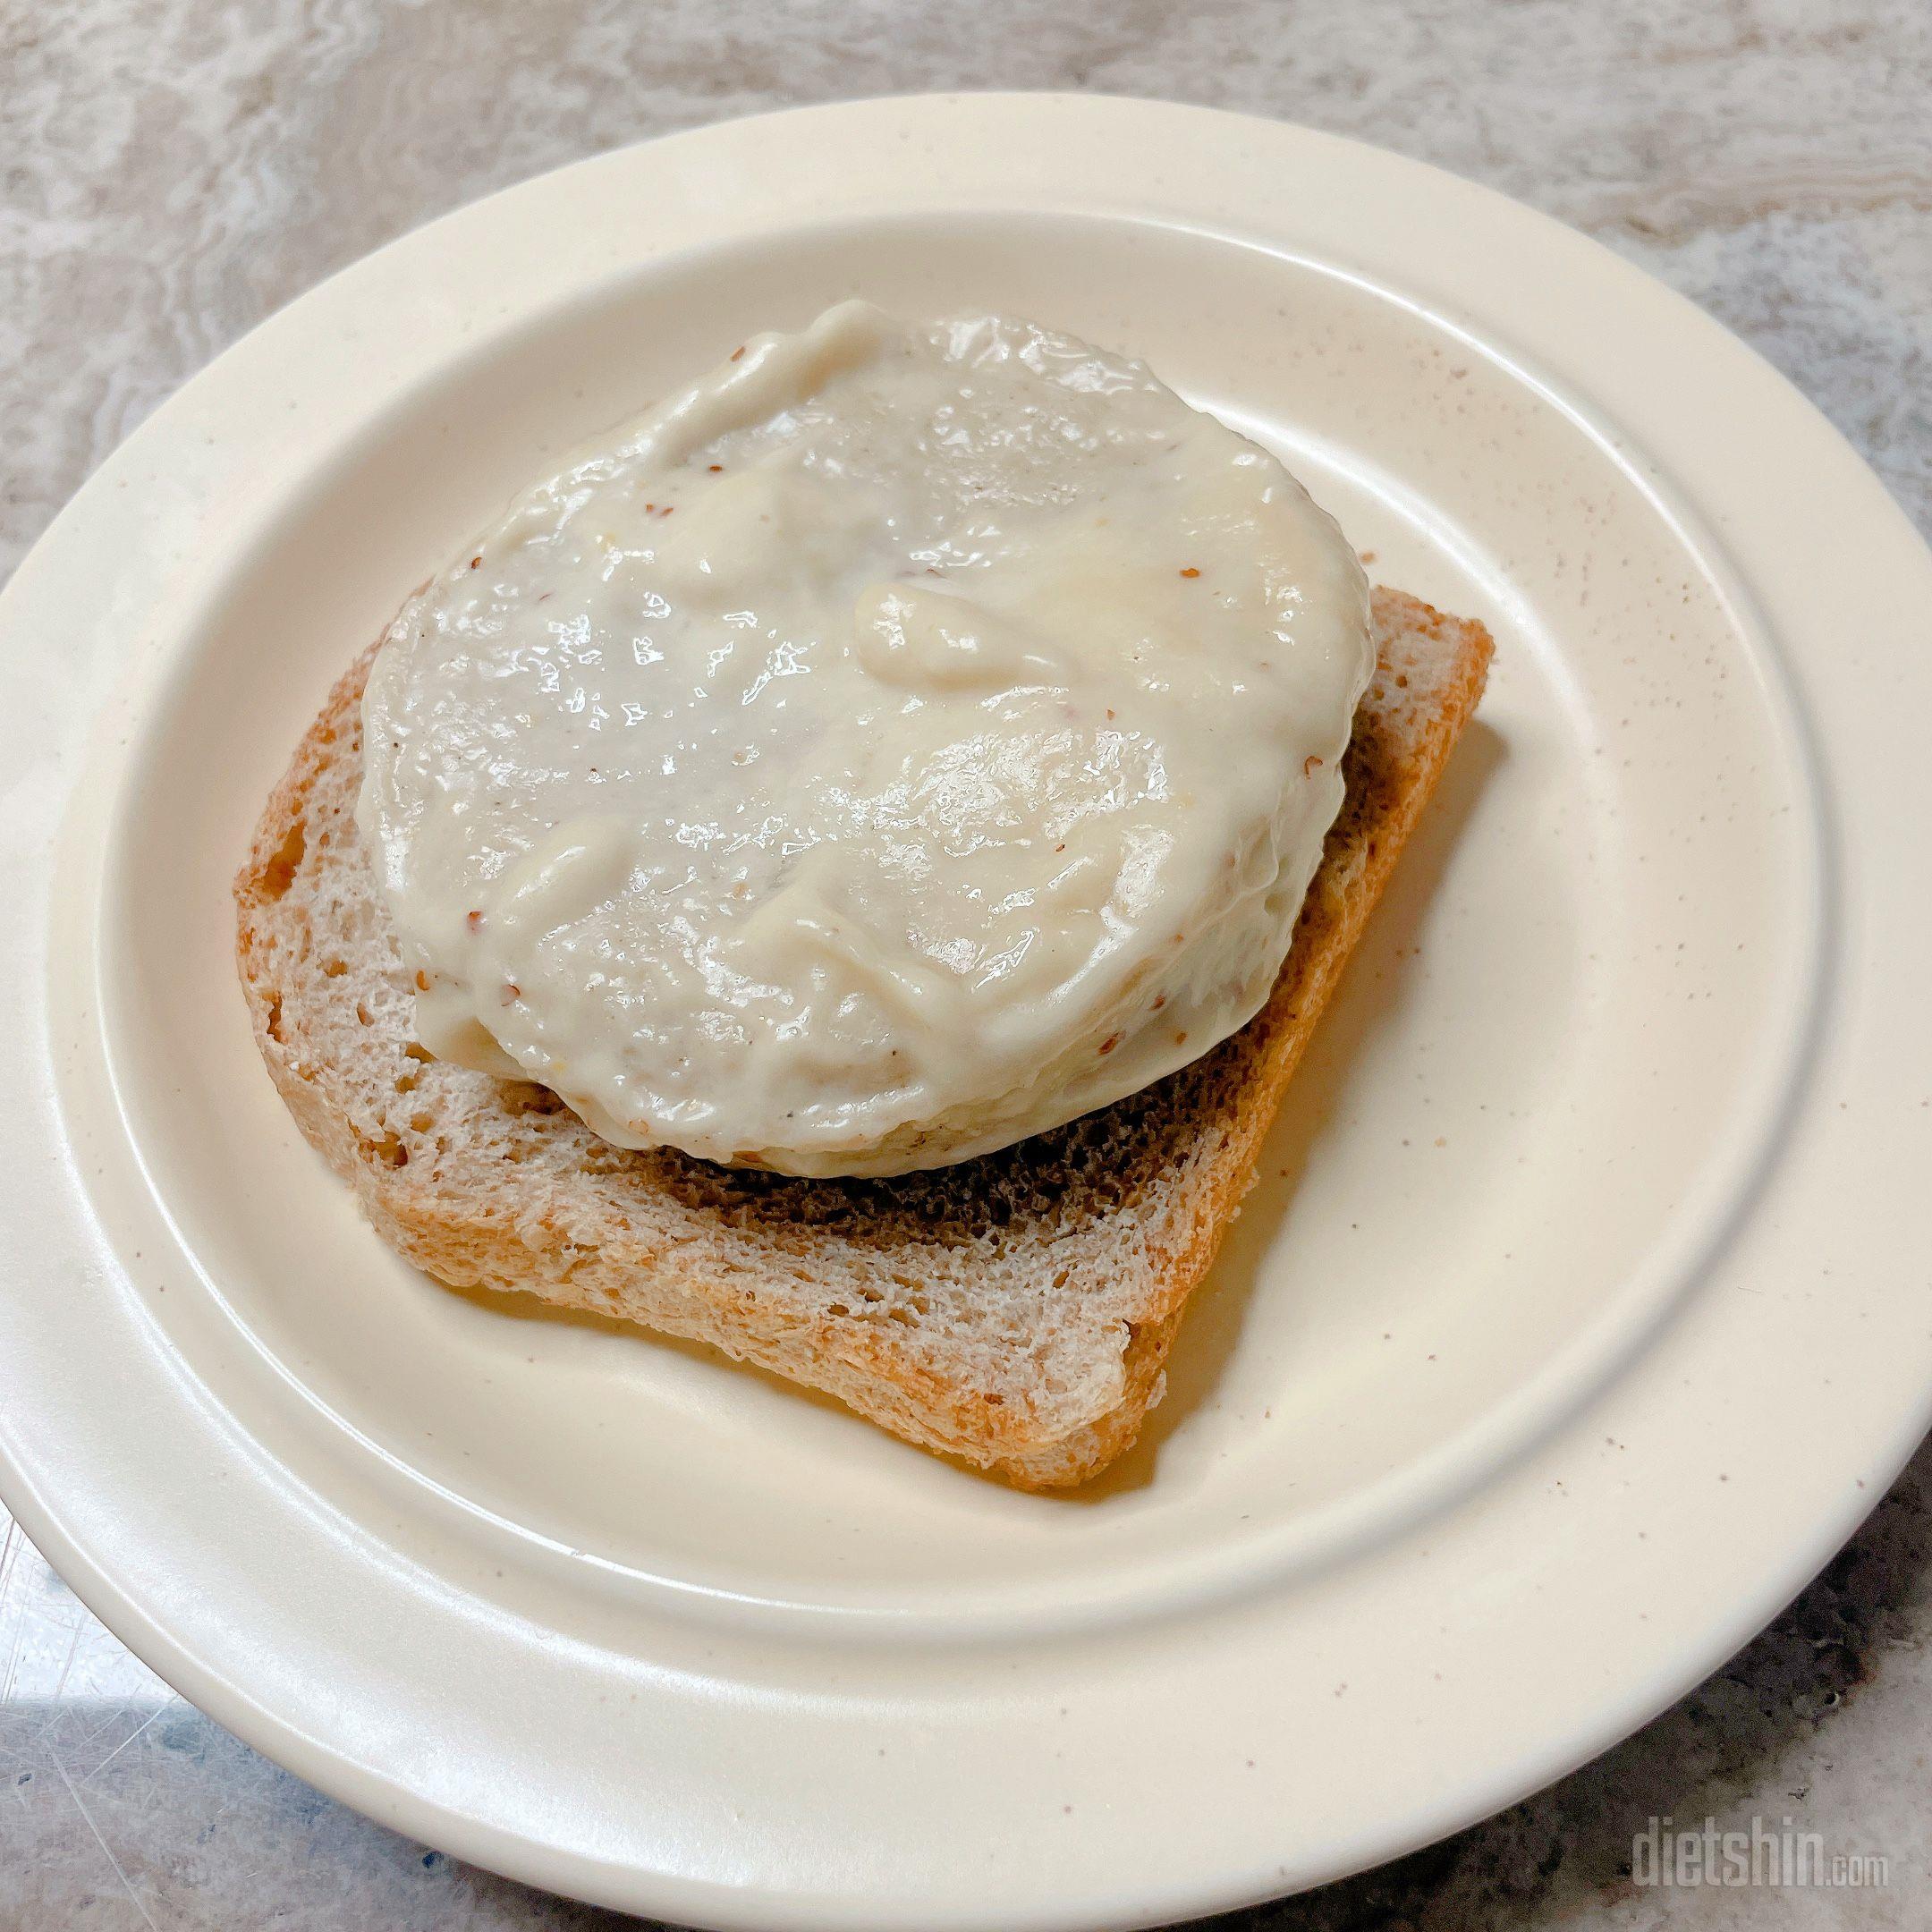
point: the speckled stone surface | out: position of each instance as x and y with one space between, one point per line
172 170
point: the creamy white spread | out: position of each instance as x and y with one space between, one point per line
901 741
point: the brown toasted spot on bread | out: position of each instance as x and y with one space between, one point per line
278 869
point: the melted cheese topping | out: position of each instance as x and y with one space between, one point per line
903 740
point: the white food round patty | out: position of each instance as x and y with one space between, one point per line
901 741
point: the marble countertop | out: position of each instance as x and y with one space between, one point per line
173 170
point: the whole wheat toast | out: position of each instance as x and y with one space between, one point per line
1014 1311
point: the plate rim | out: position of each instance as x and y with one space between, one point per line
396 1802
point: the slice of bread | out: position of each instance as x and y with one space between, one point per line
1013 1312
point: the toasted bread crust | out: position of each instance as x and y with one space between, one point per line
1014 1311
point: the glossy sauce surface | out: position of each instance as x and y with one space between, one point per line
903 739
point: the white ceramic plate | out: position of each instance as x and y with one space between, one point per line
1583 1313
